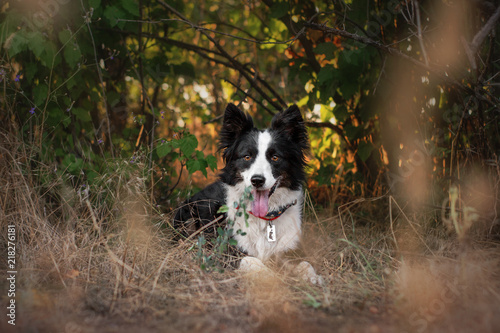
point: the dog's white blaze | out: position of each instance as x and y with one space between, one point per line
261 165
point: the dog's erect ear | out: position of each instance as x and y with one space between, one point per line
290 123
236 123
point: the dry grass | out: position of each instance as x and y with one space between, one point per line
105 261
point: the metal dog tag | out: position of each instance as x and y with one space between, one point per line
271 233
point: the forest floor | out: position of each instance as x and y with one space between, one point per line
120 270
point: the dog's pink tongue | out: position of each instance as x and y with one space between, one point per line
260 203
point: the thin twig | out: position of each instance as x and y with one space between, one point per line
201 28
87 20
369 42
92 215
392 223
419 29
382 70
214 120
57 269
411 225
248 95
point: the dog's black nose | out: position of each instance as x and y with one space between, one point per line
258 180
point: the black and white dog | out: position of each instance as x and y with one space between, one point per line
271 162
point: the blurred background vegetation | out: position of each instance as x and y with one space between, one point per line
400 97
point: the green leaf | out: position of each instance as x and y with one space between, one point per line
305 74
193 166
199 155
341 113
348 88
279 9
60 152
94 3
188 144
74 82
36 43
95 95
365 150
223 209
66 121
311 301
131 6
55 115
158 68
40 94
30 69
72 163
81 114
113 98
113 13
17 43
186 69
9 26
327 49
352 132
202 164
72 55
49 55
92 175
212 162
163 149
64 36
326 75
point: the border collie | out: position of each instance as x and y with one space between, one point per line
271 163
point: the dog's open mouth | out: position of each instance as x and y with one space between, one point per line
260 204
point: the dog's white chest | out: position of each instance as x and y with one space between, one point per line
261 238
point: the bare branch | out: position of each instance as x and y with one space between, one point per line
204 53
235 64
369 42
472 48
481 35
441 73
333 127
201 28
247 94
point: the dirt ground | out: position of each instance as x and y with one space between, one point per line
137 279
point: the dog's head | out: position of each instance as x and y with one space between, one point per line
264 159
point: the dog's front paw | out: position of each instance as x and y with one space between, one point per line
252 265
306 272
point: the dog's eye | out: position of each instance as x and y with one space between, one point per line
275 158
247 157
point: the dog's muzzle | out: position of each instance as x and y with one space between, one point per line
260 204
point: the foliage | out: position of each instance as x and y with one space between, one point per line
71 86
